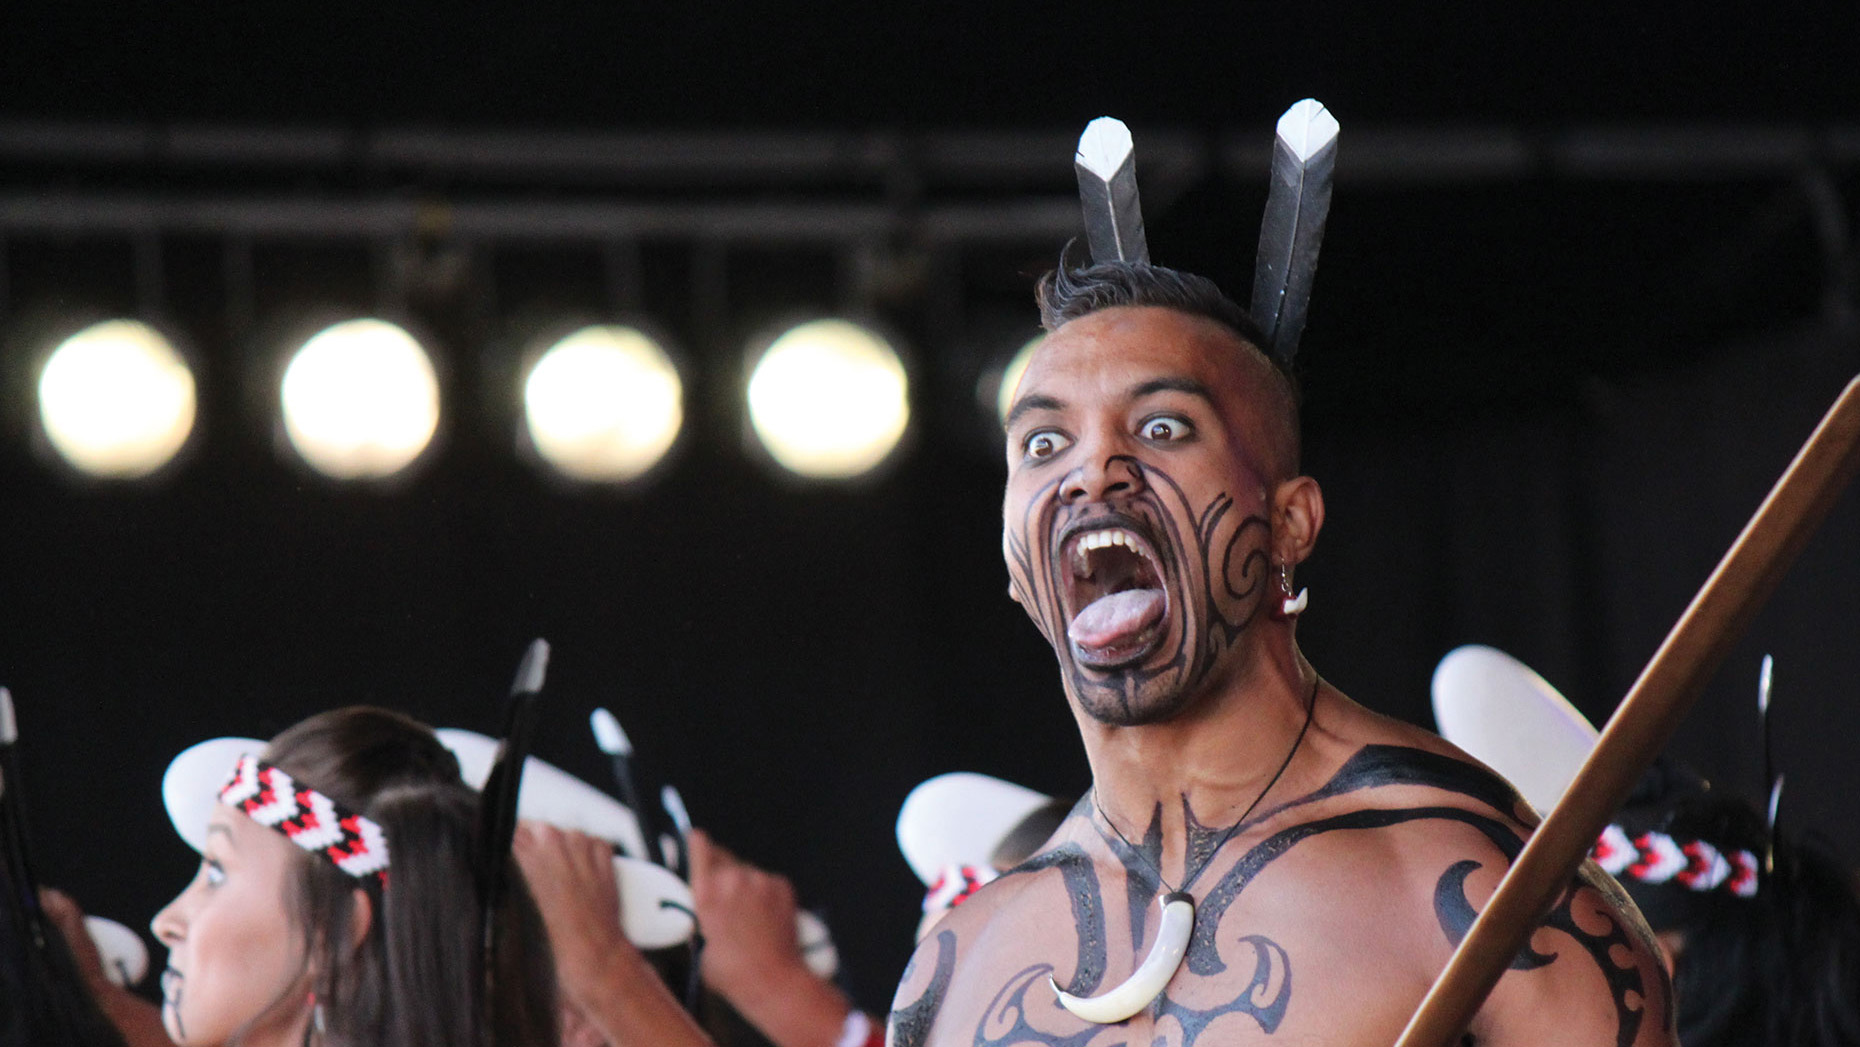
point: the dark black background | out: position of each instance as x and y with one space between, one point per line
1541 407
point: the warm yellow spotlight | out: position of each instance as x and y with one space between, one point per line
117 400
1010 376
360 400
828 399
604 404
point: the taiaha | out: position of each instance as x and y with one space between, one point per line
1304 161
497 805
1107 168
1644 721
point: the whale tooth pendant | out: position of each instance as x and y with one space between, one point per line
1150 978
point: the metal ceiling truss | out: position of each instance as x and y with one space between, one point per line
932 188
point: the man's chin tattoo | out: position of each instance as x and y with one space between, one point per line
1122 707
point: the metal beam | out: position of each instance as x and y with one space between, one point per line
930 187
1389 153
1034 219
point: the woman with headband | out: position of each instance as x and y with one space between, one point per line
1762 929
337 904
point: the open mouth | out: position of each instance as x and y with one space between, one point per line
1114 596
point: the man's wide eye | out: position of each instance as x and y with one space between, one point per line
1166 429
1045 444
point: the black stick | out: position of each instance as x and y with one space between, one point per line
497 806
619 749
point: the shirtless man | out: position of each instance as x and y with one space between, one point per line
1153 516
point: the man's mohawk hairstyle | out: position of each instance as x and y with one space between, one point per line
1068 293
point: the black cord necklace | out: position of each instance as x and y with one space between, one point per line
1189 877
1152 976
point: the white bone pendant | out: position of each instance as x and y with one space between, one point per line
1150 978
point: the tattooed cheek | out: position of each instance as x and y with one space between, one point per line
1242 566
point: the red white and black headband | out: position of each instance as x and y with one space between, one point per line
313 821
1497 709
1663 860
191 785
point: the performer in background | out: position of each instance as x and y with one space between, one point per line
1761 927
136 1020
1259 859
961 830
337 903
617 996
751 958
1769 954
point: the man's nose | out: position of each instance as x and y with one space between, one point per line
1102 476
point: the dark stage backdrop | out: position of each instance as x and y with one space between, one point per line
795 658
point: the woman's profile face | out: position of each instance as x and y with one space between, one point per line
237 968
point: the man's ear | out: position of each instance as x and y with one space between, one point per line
1297 517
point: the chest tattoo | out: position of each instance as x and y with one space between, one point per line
1262 986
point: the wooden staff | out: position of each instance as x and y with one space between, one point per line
1643 722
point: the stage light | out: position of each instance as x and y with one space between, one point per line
360 400
1010 376
828 399
116 400
603 404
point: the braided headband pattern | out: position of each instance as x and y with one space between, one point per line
954 884
1656 858
307 818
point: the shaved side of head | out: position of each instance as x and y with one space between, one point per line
1066 294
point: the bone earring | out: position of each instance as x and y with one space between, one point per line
1290 606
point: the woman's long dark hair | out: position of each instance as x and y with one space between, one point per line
1781 967
415 978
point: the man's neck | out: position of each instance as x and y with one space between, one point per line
1219 755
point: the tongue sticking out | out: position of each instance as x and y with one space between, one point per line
1116 620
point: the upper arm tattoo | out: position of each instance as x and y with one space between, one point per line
910 1024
